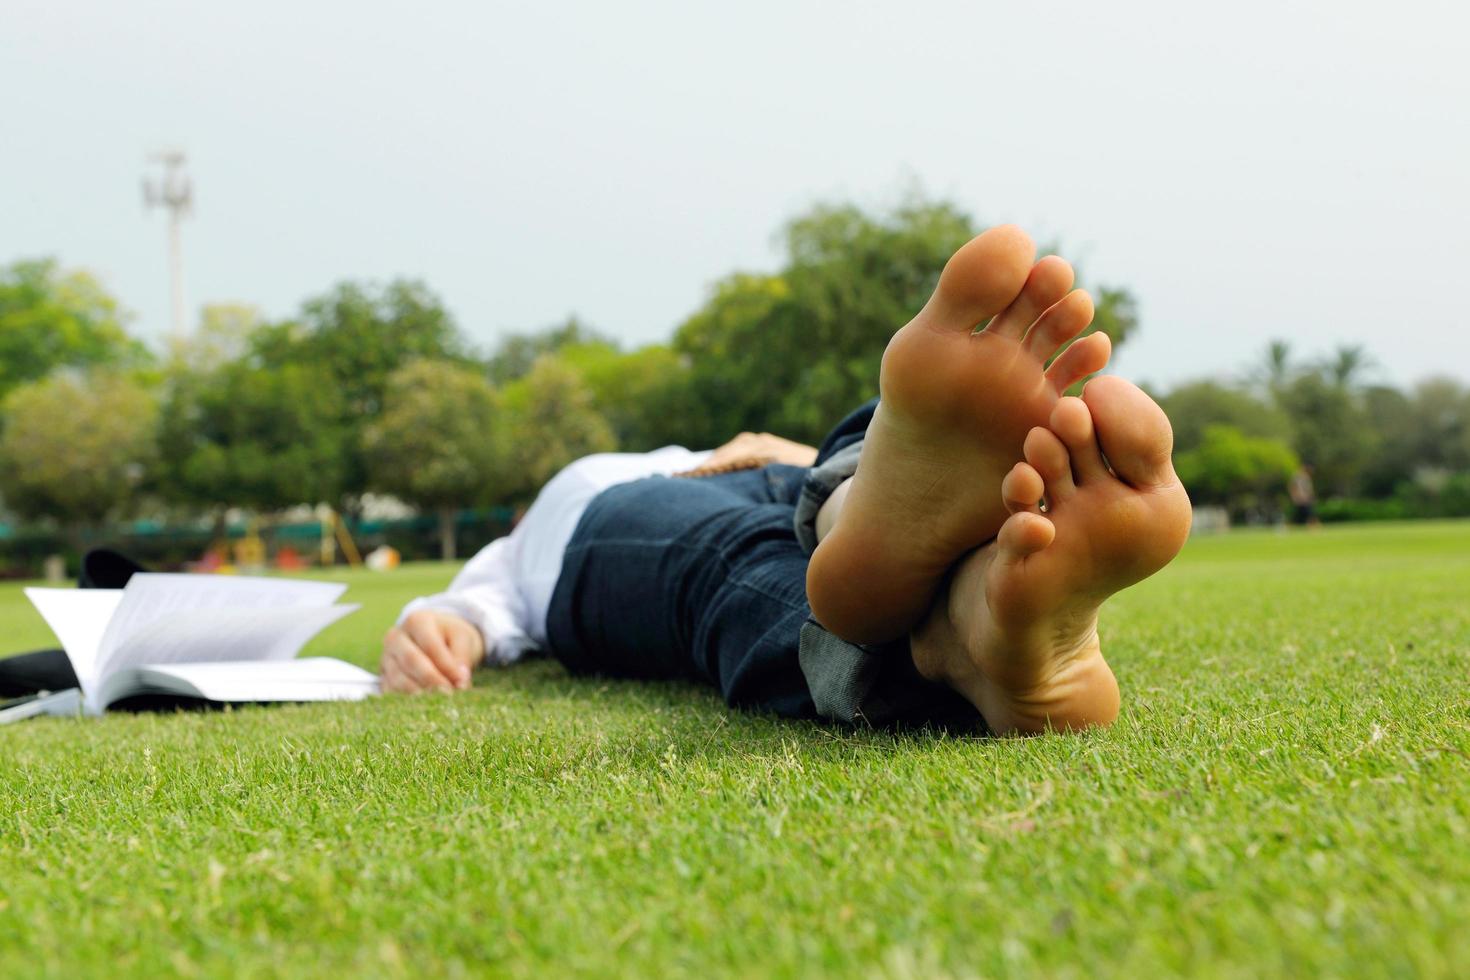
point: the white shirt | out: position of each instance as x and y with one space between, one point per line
505 590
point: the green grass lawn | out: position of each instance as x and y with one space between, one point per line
1287 791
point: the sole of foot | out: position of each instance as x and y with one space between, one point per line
1024 609
956 405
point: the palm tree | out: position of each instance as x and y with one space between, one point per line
1348 364
1276 368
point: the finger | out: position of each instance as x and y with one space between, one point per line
427 632
395 643
421 673
406 666
468 646
392 679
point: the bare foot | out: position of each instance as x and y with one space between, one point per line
955 409
1016 631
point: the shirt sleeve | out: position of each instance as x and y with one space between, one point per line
485 594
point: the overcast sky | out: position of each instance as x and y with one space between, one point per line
1250 171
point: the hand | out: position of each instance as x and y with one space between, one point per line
430 651
750 450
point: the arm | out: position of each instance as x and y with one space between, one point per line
440 639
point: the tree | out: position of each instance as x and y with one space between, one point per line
243 435
355 337
793 351
225 333
645 394
1196 405
517 353
1329 430
1245 474
1441 413
51 319
1395 431
551 419
1348 364
745 353
1276 366
76 447
437 443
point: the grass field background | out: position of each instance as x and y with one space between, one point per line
1287 791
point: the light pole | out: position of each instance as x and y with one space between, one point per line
172 190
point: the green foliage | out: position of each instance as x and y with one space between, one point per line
1361 440
226 333
1435 494
745 352
551 419
262 414
1330 430
792 352
517 353
52 319
242 435
1246 474
1441 419
1377 452
1196 405
356 336
437 442
75 447
645 395
361 334
1398 434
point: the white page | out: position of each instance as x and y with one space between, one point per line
311 679
151 596
78 617
216 635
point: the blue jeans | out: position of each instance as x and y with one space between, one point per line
693 578
703 579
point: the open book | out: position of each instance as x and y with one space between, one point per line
220 638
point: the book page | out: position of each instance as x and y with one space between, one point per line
215 635
78 617
152 596
311 679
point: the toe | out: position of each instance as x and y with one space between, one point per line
1072 422
1047 455
1064 320
1133 431
1022 489
1046 284
1023 535
982 278
1087 356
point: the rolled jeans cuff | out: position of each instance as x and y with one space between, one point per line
819 484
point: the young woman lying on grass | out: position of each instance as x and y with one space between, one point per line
942 557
